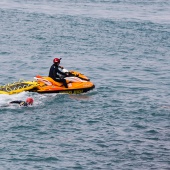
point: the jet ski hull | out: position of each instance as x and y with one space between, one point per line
76 85
65 91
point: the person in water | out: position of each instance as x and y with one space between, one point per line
29 101
56 74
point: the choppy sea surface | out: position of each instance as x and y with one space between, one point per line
123 46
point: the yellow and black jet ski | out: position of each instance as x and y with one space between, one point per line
76 81
18 87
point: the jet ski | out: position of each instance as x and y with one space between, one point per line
76 81
18 87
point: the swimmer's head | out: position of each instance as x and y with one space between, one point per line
30 100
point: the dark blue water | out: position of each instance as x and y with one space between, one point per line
123 46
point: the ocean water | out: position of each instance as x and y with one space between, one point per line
123 46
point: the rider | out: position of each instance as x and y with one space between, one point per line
29 101
56 74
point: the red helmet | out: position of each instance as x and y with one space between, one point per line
30 100
56 60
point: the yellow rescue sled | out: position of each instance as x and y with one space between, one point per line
18 87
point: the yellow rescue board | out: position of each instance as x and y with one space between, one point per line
18 87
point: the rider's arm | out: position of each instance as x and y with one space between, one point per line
62 73
61 67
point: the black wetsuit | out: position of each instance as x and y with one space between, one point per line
57 75
21 103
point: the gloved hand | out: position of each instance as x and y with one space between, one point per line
62 77
67 73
